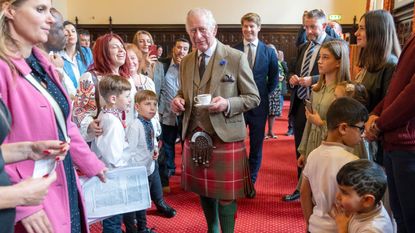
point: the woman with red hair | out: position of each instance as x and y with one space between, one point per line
109 58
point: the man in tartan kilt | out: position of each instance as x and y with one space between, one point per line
214 163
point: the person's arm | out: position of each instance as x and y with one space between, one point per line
398 113
273 71
82 155
15 152
85 107
111 142
306 198
28 192
248 91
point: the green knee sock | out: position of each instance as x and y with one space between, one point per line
227 217
210 209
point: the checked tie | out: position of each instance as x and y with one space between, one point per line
302 92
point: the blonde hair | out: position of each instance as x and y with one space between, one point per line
143 95
251 17
139 33
340 51
8 45
138 53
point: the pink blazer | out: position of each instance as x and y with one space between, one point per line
33 119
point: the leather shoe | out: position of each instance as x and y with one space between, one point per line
292 197
289 132
164 209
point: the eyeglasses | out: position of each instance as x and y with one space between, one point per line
361 128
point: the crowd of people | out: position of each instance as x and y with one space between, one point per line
122 105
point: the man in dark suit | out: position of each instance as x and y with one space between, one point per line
214 163
306 74
264 64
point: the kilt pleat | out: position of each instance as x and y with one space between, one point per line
227 177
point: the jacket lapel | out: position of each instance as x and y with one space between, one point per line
193 73
219 67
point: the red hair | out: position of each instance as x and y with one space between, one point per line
102 61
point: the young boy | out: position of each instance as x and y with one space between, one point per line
345 123
362 184
111 146
144 152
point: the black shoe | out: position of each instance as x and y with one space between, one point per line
289 132
292 197
166 210
171 172
252 194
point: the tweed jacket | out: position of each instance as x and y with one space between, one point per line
231 78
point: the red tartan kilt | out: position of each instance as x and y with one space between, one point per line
227 177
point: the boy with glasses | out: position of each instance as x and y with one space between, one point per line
345 121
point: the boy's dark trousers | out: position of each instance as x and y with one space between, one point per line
156 194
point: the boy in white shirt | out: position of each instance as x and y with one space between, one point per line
345 123
359 209
111 146
144 152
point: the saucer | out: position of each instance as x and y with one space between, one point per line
203 105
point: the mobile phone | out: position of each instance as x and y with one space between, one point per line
152 50
308 105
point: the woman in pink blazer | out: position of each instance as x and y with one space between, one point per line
24 24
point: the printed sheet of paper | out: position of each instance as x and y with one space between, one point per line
126 190
43 167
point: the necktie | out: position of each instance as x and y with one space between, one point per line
202 65
250 58
302 92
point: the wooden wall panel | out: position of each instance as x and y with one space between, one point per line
403 17
283 36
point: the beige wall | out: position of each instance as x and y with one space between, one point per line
225 11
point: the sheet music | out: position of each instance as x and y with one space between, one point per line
126 190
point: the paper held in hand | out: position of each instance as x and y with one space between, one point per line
43 167
125 190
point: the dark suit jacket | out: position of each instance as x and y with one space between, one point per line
266 74
314 72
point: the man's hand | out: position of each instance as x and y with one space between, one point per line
294 80
94 128
177 105
219 104
305 81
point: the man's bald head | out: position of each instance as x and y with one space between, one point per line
56 39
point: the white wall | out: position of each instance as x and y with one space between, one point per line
62 6
225 11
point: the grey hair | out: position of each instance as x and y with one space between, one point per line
201 12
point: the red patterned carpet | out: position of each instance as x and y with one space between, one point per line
265 213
